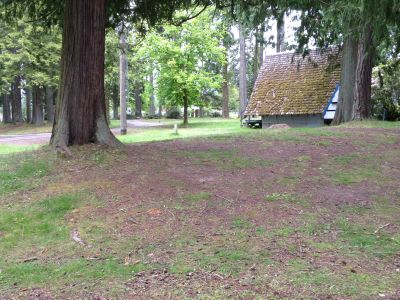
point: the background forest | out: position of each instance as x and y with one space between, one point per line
194 65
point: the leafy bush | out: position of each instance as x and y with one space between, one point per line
386 91
174 113
216 114
385 107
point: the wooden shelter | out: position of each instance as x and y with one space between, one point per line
296 91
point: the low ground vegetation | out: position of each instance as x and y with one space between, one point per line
241 213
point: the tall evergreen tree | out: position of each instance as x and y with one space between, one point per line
80 114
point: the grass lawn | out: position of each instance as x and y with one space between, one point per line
215 212
32 129
196 128
24 128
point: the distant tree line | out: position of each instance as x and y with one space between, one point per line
188 56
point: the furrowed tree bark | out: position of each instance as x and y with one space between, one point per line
242 72
50 105
28 101
280 35
16 101
80 113
37 106
6 109
344 110
138 100
123 81
362 92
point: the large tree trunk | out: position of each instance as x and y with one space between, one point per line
138 100
152 97
28 105
123 81
185 108
80 113
50 108
242 72
37 106
280 35
225 90
16 101
6 109
362 92
344 110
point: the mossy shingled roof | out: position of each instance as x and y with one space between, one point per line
289 84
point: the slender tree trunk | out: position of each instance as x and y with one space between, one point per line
138 100
34 107
201 112
123 81
16 101
280 35
160 109
256 56
225 90
261 51
6 109
152 98
28 102
81 114
362 92
380 76
115 98
344 109
37 106
50 108
185 108
242 71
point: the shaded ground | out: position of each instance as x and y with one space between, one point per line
293 214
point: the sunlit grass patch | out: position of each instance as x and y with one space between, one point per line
196 197
279 197
16 174
196 128
241 223
352 168
10 149
356 175
287 197
371 124
38 224
24 128
364 239
80 269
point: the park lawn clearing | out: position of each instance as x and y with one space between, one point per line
244 214
24 128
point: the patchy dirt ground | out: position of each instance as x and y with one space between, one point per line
284 214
